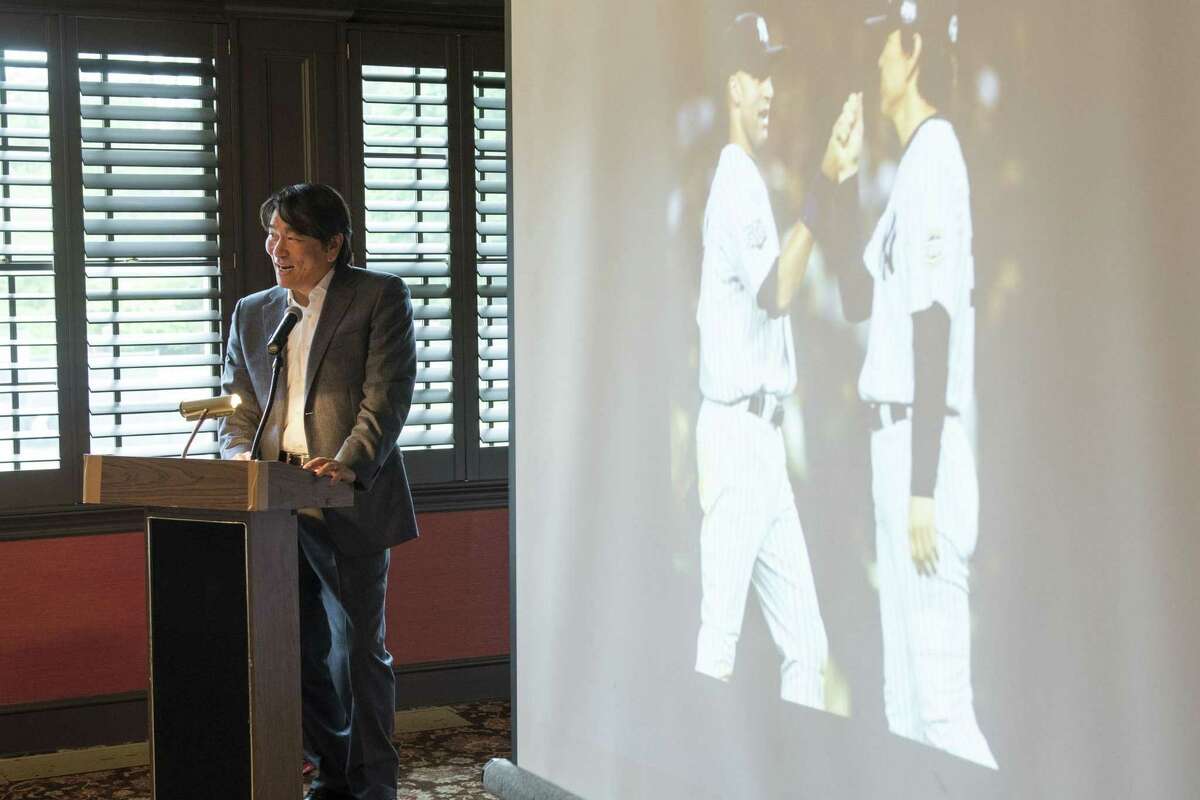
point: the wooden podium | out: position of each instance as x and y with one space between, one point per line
221 558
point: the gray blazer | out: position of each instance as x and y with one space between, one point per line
359 387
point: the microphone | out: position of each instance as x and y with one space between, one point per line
278 339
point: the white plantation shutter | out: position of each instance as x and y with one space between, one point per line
406 191
491 253
29 423
149 153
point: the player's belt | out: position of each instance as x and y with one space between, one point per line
767 406
884 414
297 459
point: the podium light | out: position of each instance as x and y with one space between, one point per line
208 408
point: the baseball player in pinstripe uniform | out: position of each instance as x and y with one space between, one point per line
751 533
918 380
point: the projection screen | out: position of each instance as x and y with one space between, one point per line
857 403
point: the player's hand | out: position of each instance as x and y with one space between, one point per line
336 470
241 456
844 148
922 535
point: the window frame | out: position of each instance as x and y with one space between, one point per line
477 477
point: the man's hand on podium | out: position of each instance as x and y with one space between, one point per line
241 456
336 470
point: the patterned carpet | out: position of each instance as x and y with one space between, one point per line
443 764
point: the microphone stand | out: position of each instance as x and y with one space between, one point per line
276 366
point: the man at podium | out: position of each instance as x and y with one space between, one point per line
343 394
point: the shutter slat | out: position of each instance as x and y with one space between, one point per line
405 120
422 185
92 134
156 227
430 333
142 384
148 204
154 362
142 339
496 435
415 269
494 372
494 394
404 74
145 249
405 99
146 113
434 352
150 317
432 374
433 206
494 352
430 249
403 161
492 269
93 157
131 430
425 311
408 227
199 448
155 90
490 331
410 142
119 66
158 294
431 396
39 110
135 181
429 291
430 416
426 437
493 415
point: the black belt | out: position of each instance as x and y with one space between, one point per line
758 406
894 412
298 459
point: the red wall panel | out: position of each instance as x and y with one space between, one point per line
72 617
73 610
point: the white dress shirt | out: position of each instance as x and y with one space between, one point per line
299 345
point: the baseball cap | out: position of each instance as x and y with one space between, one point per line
931 17
747 46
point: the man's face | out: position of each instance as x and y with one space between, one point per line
300 261
752 99
895 71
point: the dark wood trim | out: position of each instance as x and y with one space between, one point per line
61 521
65 521
461 496
122 718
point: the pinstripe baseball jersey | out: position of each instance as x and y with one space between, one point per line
743 350
920 254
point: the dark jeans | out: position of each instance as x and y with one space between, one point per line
347 684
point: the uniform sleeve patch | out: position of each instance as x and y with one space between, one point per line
756 234
934 247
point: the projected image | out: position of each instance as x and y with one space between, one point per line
892 260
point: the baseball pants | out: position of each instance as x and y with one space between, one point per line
926 619
751 535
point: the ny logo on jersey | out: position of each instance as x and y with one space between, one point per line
756 234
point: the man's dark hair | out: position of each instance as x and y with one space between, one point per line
313 209
938 83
